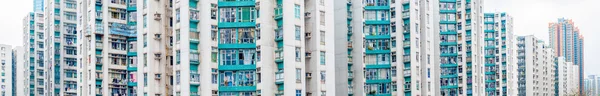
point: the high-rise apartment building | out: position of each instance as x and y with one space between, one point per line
33 36
567 41
285 47
108 47
242 48
497 48
61 62
591 86
329 46
38 5
6 71
470 38
573 79
535 67
20 72
154 47
565 79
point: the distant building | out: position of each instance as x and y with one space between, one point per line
567 41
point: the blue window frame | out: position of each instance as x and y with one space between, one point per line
298 92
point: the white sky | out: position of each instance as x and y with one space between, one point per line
530 17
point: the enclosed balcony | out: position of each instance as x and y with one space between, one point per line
194 16
237 38
279 77
377 74
278 12
237 81
194 78
378 60
406 58
378 90
405 15
237 17
374 30
278 34
99 14
406 73
376 3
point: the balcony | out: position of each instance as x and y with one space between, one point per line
278 13
194 16
406 73
279 55
350 74
98 91
279 77
278 34
405 15
98 15
194 78
132 6
406 59
56 17
99 45
194 37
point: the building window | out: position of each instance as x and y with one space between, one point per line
322 77
298 32
298 75
145 20
298 92
237 36
177 15
237 57
322 37
237 14
322 17
322 58
145 40
298 54
177 77
322 2
214 76
117 13
237 78
297 11
145 79
70 16
377 15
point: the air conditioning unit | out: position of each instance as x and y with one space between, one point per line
307 35
157 56
308 75
157 36
306 14
257 5
157 16
157 76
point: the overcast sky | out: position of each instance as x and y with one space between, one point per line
531 17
